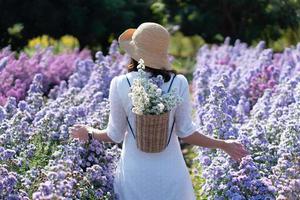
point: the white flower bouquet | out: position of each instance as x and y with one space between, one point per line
147 96
152 107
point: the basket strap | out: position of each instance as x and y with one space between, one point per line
174 118
171 83
128 81
171 132
130 127
126 116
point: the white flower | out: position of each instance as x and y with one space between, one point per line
141 64
158 91
148 98
161 107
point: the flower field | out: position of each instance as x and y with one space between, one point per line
251 94
248 93
37 158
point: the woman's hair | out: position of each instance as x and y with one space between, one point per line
166 74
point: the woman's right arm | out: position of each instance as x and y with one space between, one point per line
81 132
231 147
117 123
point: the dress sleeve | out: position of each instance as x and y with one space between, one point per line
117 117
183 114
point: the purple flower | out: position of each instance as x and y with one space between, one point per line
3 62
2 114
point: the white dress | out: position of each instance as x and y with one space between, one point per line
150 176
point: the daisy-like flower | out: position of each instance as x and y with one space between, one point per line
148 97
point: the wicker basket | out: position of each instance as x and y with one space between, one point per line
152 132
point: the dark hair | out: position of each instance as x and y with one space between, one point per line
166 74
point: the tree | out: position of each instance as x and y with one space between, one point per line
244 19
93 22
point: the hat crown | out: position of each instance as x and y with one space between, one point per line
151 36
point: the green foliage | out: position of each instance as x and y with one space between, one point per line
158 8
93 22
97 22
184 49
15 30
185 66
195 171
243 19
183 46
288 38
43 152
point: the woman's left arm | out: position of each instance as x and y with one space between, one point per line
204 141
232 147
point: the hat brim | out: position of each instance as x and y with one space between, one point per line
126 35
126 43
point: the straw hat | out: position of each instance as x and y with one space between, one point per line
150 42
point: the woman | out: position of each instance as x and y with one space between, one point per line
152 176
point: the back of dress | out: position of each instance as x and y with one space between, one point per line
150 176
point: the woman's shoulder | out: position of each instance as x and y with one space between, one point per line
182 80
124 78
121 80
181 77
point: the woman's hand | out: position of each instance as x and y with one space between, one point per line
79 131
235 149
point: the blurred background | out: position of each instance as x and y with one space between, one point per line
94 24
27 26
